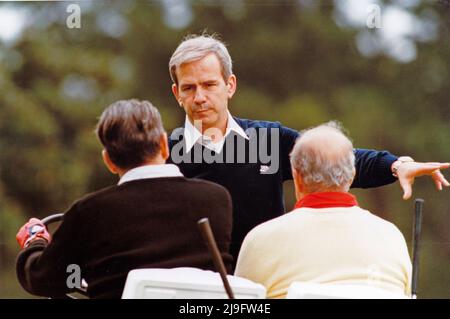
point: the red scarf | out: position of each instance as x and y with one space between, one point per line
327 199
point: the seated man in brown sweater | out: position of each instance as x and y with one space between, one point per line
147 220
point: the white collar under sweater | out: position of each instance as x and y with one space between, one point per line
150 171
192 135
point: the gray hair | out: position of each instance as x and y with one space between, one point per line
130 131
196 47
324 158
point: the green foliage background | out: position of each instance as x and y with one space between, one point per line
294 64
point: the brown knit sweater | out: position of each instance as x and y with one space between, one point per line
147 223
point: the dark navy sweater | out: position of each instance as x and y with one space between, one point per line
256 191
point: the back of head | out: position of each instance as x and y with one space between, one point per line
323 157
196 47
130 131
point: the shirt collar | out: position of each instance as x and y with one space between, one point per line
150 171
192 135
327 199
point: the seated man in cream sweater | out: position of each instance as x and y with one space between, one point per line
327 238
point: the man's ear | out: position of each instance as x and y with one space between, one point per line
353 178
175 93
108 163
298 183
164 146
232 85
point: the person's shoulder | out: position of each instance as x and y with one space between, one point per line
94 196
207 199
87 202
258 235
273 227
247 123
208 194
99 193
206 187
382 225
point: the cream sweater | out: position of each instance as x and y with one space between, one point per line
343 245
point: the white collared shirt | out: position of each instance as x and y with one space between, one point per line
150 171
192 135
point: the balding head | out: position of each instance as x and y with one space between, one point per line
323 160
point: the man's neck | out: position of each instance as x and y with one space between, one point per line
327 199
215 132
340 190
157 161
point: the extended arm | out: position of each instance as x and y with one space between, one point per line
374 168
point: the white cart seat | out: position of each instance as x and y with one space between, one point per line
185 282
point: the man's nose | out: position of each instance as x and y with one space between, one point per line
199 96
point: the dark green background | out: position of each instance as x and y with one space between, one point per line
294 61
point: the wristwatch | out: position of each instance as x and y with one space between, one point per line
34 232
398 162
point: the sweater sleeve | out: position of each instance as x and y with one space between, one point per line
288 138
42 268
373 168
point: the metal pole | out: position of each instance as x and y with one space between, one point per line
417 230
208 236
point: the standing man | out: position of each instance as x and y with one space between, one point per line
251 158
148 220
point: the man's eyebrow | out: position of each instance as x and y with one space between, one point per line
212 81
208 81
